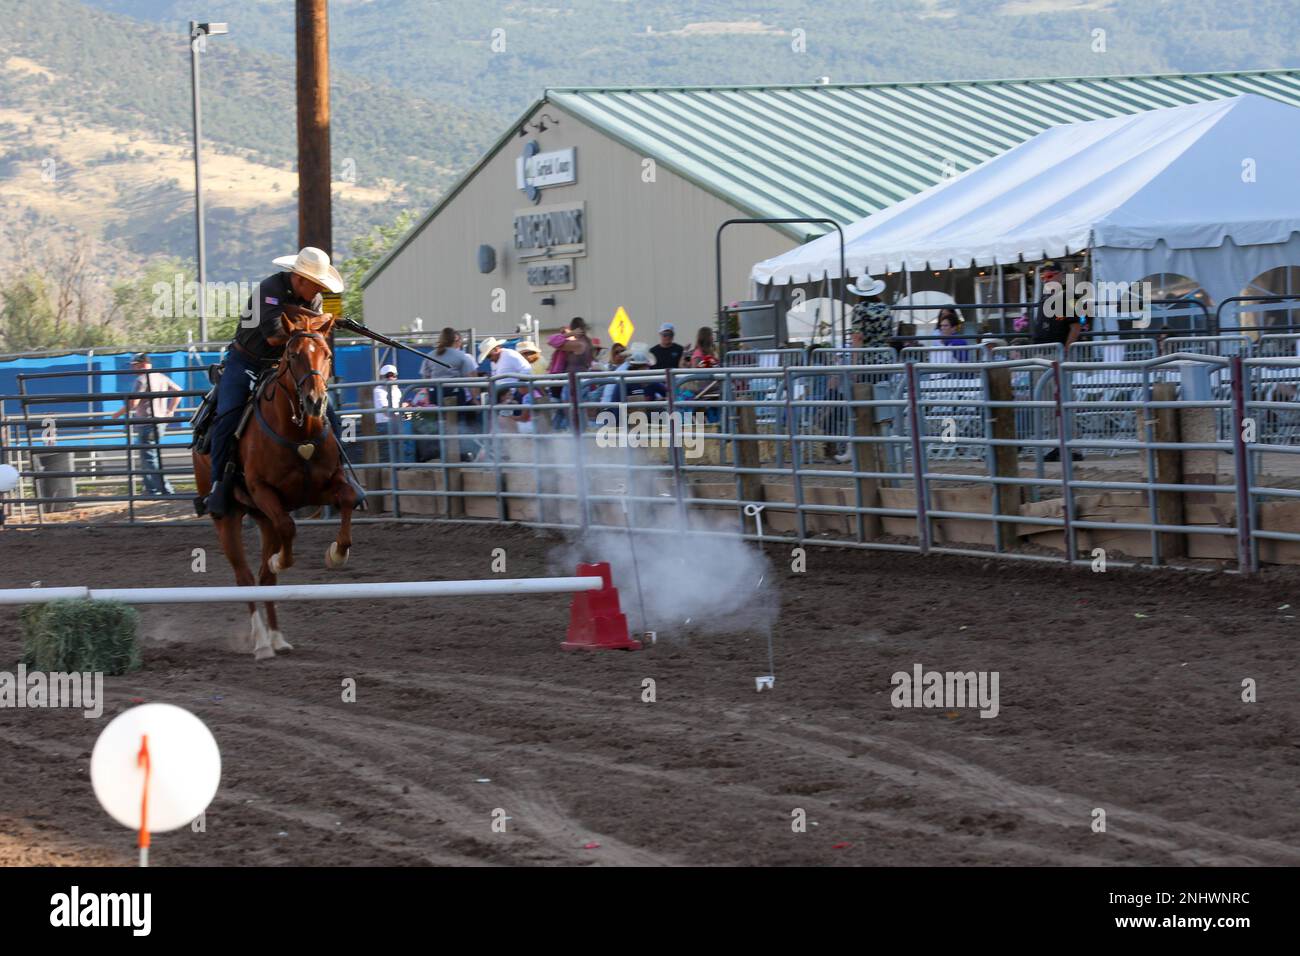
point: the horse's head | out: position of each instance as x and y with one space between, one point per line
308 358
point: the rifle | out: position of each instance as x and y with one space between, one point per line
354 326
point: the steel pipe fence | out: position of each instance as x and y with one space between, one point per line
834 416
853 448
1258 312
1110 379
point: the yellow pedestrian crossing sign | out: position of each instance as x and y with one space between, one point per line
621 327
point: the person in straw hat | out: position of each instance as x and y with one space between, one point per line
296 290
532 355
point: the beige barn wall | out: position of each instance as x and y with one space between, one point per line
650 247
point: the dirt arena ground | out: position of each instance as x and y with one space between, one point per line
1119 690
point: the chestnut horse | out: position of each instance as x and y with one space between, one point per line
289 458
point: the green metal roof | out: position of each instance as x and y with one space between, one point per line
843 152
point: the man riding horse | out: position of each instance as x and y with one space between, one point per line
294 293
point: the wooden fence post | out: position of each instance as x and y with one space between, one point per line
1006 458
867 457
1169 471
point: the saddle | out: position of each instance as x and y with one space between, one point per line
201 423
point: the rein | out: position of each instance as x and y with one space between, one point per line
305 450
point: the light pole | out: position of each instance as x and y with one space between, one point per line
199 33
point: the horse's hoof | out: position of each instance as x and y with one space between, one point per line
278 642
262 653
333 559
274 564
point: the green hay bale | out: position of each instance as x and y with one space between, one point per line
66 636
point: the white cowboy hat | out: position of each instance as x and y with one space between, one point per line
314 264
527 346
866 286
486 348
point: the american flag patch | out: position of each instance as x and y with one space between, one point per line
270 300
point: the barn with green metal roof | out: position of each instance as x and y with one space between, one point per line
597 199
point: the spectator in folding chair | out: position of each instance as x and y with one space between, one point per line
703 355
424 424
529 394
638 360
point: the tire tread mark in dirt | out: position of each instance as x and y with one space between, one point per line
471 744
1040 804
397 739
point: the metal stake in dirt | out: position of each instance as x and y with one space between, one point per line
636 571
768 680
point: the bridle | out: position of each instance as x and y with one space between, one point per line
299 404
305 448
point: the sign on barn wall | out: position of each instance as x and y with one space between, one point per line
559 230
535 170
550 275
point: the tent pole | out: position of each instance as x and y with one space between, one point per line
1000 296
826 293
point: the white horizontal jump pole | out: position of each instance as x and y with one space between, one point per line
305 592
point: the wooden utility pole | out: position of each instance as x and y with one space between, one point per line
313 41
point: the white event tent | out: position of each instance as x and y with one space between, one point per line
1210 191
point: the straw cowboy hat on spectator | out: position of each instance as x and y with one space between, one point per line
488 347
527 348
867 287
314 264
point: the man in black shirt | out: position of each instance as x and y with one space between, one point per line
294 291
1056 319
667 354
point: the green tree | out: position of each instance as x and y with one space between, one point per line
40 311
365 251
149 309
26 314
